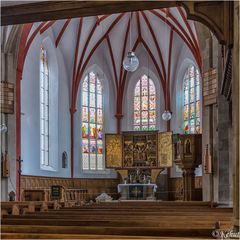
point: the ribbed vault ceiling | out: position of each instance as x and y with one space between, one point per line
157 36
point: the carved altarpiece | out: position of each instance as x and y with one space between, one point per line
147 152
113 150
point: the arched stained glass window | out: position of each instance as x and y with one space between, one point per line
92 123
145 105
44 108
191 113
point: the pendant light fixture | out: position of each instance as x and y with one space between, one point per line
167 115
3 128
130 62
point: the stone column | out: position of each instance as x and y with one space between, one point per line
9 138
9 53
119 119
223 151
209 50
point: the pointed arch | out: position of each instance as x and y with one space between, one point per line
144 104
191 101
44 107
92 122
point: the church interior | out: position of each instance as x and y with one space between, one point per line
120 119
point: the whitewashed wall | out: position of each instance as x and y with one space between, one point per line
61 67
59 109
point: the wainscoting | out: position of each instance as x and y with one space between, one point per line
94 187
176 189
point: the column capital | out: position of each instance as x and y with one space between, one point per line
118 115
72 110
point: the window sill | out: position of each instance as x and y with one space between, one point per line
47 168
104 171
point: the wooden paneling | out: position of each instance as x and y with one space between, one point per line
7 97
210 87
51 10
176 189
34 195
93 186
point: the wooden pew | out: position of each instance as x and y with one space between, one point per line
17 208
119 219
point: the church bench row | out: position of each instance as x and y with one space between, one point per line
120 211
155 203
111 221
93 219
114 217
163 204
130 208
102 230
83 236
75 220
164 222
134 213
16 208
129 214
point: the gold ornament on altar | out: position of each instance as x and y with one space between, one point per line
140 150
143 150
165 149
113 151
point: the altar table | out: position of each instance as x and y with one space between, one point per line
137 191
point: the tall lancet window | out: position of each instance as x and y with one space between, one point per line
44 108
144 105
191 114
92 123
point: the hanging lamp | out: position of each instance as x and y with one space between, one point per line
130 62
167 115
3 128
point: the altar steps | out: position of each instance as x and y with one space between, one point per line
113 221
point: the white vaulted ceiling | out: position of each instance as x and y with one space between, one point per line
104 40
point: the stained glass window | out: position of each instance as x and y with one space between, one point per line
191 110
144 105
44 108
92 123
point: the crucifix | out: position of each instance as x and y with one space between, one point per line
136 191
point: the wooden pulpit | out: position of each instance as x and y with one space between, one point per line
188 156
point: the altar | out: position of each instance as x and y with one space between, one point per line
137 191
